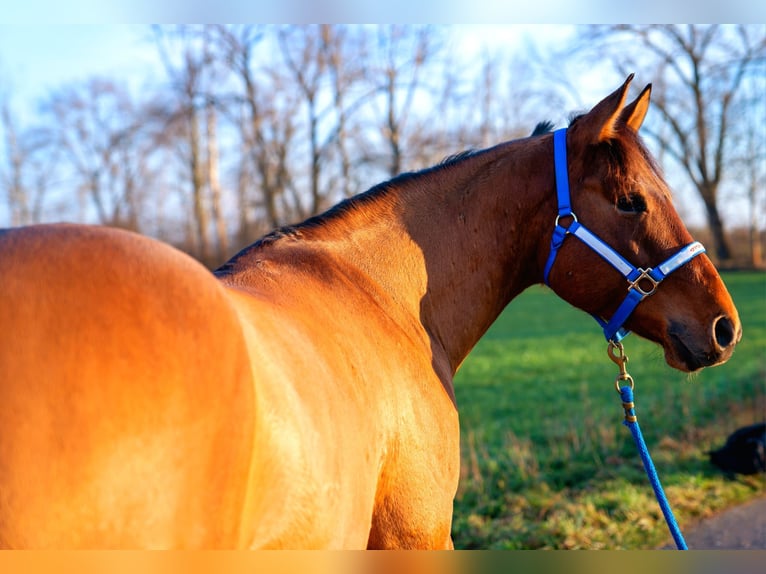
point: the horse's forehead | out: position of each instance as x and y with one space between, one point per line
630 167
645 172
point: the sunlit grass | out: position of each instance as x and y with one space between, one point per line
546 460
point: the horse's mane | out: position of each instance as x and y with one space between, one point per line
360 201
546 126
457 157
373 195
339 210
542 128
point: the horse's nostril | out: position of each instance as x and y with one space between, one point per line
723 331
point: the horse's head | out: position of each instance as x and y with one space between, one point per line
618 194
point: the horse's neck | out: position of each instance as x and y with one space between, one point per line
480 239
449 247
455 244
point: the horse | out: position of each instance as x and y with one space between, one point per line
301 395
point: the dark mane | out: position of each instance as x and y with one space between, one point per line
617 157
359 201
295 231
543 128
574 117
338 210
457 157
349 205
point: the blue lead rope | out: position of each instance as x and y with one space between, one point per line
626 392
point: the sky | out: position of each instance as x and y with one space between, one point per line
46 42
400 11
36 56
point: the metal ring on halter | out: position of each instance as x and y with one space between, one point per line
570 214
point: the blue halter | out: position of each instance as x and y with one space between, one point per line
641 282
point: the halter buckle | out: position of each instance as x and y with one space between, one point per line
636 283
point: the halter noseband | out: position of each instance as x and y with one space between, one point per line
641 282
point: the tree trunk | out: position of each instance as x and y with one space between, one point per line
222 244
200 212
720 244
17 196
393 128
243 197
756 253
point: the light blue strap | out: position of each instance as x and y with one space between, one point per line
680 259
613 330
599 246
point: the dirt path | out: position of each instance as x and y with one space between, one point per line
739 528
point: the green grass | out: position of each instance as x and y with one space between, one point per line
546 461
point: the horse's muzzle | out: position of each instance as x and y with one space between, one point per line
689 353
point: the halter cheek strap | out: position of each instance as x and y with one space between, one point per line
641 282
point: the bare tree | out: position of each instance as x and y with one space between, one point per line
398 58
265 113
12 176
505 97
214 181
700 71
346 56
751 157
189 62
325 63
235 46
305 55
95 125
28 168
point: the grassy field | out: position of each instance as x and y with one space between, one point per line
547 462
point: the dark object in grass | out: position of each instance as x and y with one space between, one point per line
744 451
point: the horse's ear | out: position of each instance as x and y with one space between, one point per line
602 122
634 113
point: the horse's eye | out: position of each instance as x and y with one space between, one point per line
631 203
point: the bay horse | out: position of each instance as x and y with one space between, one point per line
301 396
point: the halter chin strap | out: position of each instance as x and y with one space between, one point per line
641 282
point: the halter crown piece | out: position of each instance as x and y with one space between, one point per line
641 282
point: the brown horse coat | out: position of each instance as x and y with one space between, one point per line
302 396
129 417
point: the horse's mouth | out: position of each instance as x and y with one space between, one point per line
683 354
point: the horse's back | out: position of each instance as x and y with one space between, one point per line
126 401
